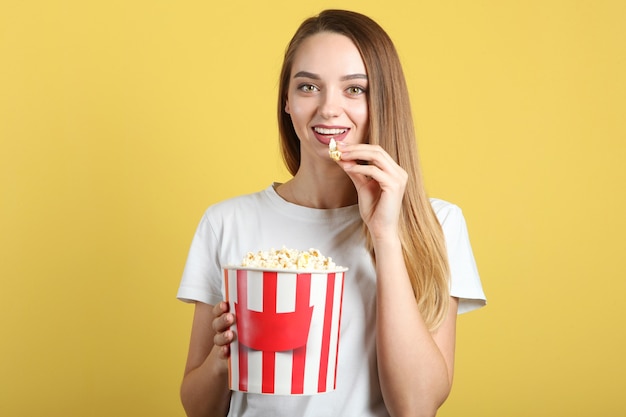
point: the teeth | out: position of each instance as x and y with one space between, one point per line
325 131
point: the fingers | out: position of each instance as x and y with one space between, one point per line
224 352
380 184
223 340
221 325
379 166
373 155
220 308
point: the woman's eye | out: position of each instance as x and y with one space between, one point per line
356 90
307 88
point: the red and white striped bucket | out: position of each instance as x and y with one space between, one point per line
287 330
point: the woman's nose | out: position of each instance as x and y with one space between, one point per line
330 105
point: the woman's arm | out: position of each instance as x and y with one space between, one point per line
415 365
204 390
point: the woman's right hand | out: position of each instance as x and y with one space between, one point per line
204 391
221 326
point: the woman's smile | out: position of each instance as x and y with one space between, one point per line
324 133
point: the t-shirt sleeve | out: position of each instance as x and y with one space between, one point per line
465 282
201 280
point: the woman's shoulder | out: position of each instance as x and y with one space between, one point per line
444 209
238 203
450 216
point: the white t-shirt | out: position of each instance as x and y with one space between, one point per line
262 221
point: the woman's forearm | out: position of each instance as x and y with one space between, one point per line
204 390
414 375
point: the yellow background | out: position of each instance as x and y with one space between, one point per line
121 121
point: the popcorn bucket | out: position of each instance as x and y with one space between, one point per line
287 330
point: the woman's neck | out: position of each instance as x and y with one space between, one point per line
319 192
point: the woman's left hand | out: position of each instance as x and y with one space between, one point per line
380 184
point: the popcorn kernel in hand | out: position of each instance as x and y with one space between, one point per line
332 150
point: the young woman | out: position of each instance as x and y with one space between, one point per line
411 268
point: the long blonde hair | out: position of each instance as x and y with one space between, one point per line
391 127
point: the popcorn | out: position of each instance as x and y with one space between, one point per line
332 150
289 259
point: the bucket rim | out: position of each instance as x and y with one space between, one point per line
289 271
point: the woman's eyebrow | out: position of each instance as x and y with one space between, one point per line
354 77
306 74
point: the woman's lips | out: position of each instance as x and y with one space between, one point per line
324 133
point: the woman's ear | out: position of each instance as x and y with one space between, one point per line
287 106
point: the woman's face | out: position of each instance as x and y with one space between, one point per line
327 94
